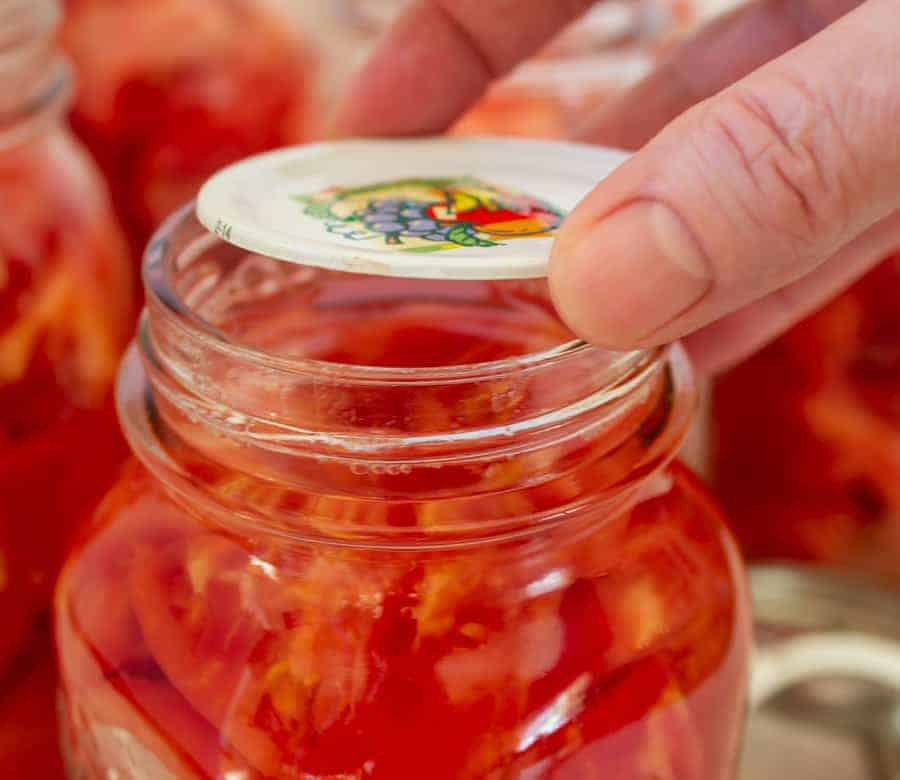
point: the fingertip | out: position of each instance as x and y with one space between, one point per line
586 281
624 281
571 290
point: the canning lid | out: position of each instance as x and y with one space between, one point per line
439 208
827 723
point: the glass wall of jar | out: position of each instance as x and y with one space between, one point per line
395 528
169 91
65 317
344 33
808 435
551 95
611 48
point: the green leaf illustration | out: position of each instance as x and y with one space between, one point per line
463 235
319 210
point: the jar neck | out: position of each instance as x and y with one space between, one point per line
435 455
35 79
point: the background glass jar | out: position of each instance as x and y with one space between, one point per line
65 318
29 738
612 47
344 33
395 528
172 90
554 93
808 435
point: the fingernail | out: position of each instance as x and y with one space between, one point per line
627 277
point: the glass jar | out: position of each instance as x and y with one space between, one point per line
395 528
611 48
171 90
65 317
344 34
554 94
808 432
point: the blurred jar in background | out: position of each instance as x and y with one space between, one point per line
808 435
29 736
610 48
65 316
172 90
551 95
344 33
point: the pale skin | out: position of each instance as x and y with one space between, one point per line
767 178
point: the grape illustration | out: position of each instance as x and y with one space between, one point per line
451 213
423 225
387 227
396 220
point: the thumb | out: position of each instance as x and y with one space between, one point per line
742 195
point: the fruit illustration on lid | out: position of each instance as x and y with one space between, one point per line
431 215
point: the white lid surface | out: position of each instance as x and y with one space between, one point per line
448 208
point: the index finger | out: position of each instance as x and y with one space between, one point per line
440 56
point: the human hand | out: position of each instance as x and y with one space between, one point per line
744 214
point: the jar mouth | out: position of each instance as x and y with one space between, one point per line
180 236
300 443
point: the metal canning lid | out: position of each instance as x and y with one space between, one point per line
440 208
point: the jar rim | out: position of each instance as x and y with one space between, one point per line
161 291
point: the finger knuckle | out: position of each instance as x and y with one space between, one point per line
792 153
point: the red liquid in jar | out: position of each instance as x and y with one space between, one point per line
172 90
29 738
609 646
